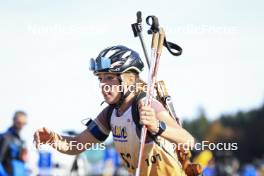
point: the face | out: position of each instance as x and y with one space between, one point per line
109 84
20 122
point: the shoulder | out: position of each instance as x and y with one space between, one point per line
99 127
5 137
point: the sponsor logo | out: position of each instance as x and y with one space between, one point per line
119 133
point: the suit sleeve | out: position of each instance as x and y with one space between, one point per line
99 127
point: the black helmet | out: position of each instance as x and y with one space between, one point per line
117 59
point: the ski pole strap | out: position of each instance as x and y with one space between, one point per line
173 48
154 25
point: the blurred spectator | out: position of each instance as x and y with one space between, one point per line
235 167
249 170
209 170
225 163
113 165
13 153
2 171
111 161
221 164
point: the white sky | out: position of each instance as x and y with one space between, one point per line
45 48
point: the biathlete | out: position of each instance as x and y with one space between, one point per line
115 67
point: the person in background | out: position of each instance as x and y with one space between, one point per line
13 153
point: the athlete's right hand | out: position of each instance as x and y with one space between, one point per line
42 136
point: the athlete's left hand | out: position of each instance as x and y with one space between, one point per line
148 117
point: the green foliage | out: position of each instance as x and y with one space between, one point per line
244 128
198 126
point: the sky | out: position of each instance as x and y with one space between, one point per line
45 47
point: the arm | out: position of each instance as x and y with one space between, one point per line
150 116
97 131
3 147
64 144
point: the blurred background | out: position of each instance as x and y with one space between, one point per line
217 84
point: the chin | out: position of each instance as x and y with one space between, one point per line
109 101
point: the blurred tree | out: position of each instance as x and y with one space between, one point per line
243 128
249 129
199 126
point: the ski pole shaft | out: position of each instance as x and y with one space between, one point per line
144 49
157 43
137 30
150 90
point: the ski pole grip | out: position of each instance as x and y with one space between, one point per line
155 38
161 40
139 17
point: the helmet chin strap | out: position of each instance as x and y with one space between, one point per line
122 99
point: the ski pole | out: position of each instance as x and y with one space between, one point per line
148 100
137 30
157 44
